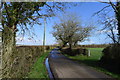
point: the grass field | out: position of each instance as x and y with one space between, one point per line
39 70
92 61
96 54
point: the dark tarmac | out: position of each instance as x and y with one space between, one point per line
62 67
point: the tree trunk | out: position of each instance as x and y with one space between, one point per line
75 44
64 44
118 18
70 45
8 40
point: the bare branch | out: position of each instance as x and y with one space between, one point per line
103 2
101 10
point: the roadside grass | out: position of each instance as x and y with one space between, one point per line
39 69
92 61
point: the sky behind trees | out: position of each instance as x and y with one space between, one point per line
84 10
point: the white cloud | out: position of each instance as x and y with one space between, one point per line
27 41
19 38
91 42
37 41
87 42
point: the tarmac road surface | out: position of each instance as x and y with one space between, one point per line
62 67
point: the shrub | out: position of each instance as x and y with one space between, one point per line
47 47
23 59
74 51
111 58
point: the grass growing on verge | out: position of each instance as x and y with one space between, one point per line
96 54
39 69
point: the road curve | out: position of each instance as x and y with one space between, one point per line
62 67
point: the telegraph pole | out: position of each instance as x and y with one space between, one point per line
44 34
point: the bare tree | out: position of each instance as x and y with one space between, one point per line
111 22
70 31
81 35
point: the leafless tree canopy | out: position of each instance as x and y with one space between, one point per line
111 23
70 31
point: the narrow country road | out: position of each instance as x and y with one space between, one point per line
62 67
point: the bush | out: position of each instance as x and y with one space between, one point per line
23 59
74 51
111 58
47 47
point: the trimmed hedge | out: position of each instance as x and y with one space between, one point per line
24 58
111 58
74 51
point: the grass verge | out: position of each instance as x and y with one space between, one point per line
39 69
92 61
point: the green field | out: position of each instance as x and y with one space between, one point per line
39 70
96 54
92 61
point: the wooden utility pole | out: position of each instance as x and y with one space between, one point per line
44 34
